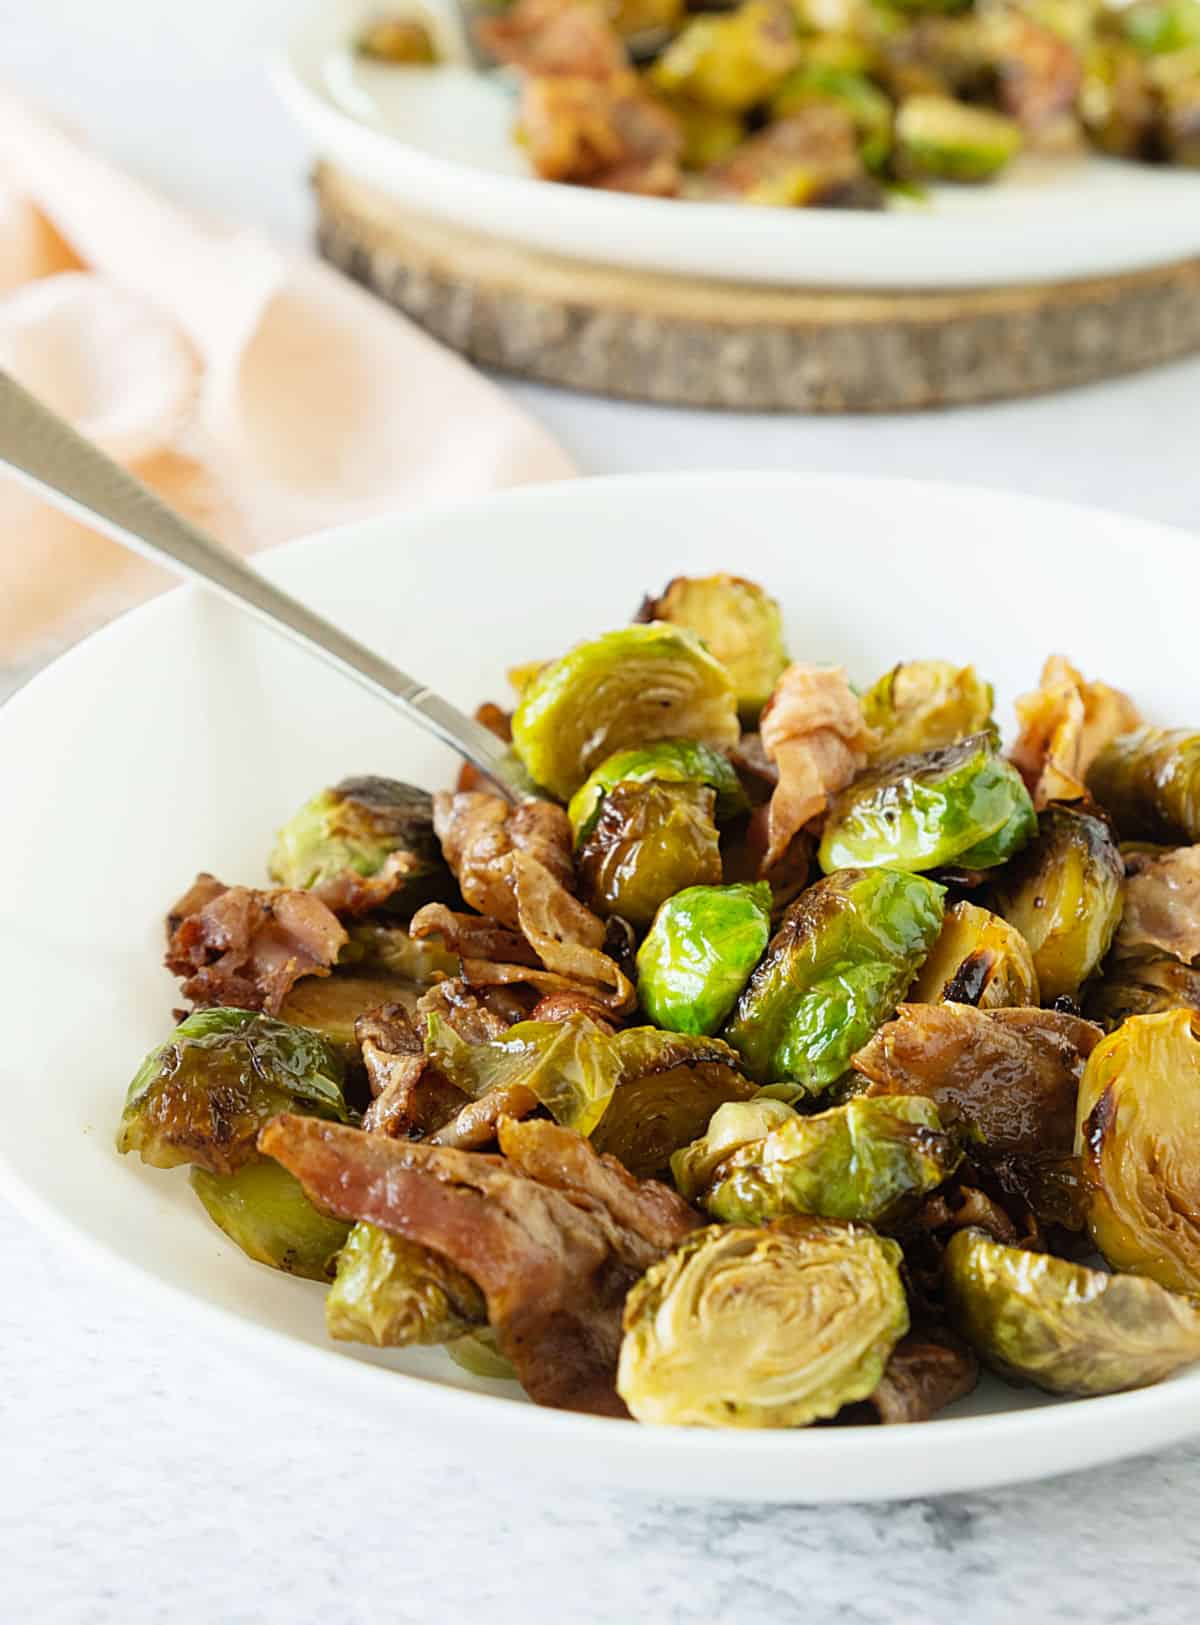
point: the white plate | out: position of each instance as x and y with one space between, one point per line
440 142
181 736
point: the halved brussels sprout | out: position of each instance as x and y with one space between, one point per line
1145 986
1070 1330
670 761
730 1128
649 841
978 959
330 1005
264 1211
938 138
203 1095
834 972
1064 894
1138 1133
865 1160
629 687
699 953
709 135
960 806
753 1327
1149 781
389 948
923 705
867 105
391 1292
737 622
354 828
730 61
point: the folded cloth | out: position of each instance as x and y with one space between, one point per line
259 393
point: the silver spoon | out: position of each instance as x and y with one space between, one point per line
45 452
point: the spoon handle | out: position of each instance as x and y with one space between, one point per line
45 452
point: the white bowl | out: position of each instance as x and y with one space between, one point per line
181 736
440 142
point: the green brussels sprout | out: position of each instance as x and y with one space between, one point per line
1160 27
1149 782
835 970
375 948
1143 986
1070 1330
669 761
203 1095
1064 894
649 841
264 1211
1117 101
731 1127
330 1005
938 138
479 1353
732 61
961 806
923 705
753 1327
978 959
391 1292
353 829
629 687
709 135
867 105
867 1160
737 622
699 953
1138 1132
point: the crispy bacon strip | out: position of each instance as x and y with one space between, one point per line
812 729
1162 905
411 1097
554 37
1065 724
604 132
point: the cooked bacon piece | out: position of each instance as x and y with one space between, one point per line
248 948
966 1207
554 37
607 133
481 833
926 1371
567 937
202 890
812 728
350 894
476 1125
553 1234
1162 904
470 935
1065 724
558 1006
411 1097
1039 72
809 158
475 1014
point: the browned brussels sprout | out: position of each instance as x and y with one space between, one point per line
730 1128
1149 782
735 620
400 41
392 1293
871 111
1155 961
649 842
1064 894
938 138
1116 100
834 972
978 959
671 761
265 1212
1070 1330
1143 986
921 705
203 1095
753 1327
1139 1136
733 61
331 1005
375 948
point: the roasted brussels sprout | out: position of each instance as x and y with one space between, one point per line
400 41
834 972
650 841
352 830
265 1212
1036 1318
1149 782
709 135
699 953
1159 27
923 705
867 105
392 1292
771 1327
731 1128
1117 102
960 806
1064 895
1144 986
203 1095
865 1160
737 622
1138 1133
375 948
978 959
669 761
730 61
938 138
630 687
479 1353
330 1005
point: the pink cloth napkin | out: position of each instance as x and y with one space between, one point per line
261 394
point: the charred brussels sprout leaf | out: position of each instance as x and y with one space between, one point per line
670 761
961 806
738 623
630 687
753 1327
938 138
699 953
834 972
265 1212
649 841
923 705
1070 1330
1149 781
390 1292
1064 894
203 1095
355 827
978 959
866 1160
1138 1120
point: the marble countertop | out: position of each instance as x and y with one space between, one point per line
148 1473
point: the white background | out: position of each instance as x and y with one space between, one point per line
146 1473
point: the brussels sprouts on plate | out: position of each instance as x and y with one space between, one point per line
922 705
1149 781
